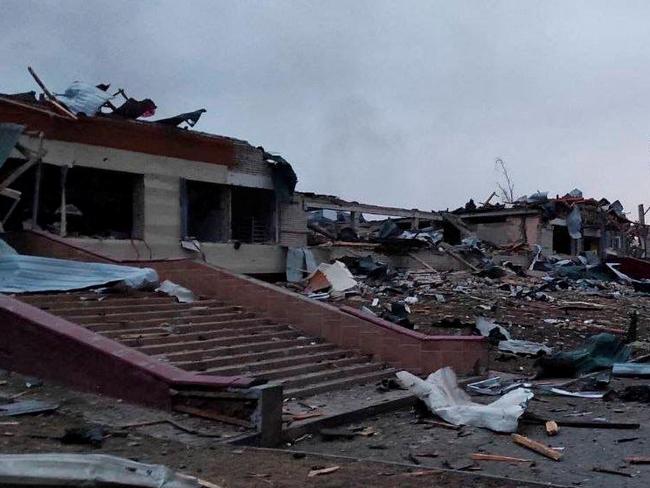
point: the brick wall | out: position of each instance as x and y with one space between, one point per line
293 223
250 160
383 340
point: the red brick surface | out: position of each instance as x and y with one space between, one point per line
346 327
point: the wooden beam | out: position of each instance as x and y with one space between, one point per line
538 447
497 457
50 96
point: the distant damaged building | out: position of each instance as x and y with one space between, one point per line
567 225
132 189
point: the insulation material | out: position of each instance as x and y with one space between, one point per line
335 276
441 394
84 98
87 470
489 328
518 346
182 294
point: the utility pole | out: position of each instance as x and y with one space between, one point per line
643 230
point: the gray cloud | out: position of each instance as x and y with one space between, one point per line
401 103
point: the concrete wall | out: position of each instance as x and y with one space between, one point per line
159 221
509 231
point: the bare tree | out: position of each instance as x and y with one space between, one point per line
506 187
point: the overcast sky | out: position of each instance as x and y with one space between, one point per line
404 103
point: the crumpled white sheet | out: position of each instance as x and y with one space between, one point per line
440 392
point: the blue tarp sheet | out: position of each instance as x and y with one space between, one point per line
24 274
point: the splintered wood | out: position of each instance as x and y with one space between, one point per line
320 472
538 447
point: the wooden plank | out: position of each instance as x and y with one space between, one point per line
213 416
496 457
538 447
638 459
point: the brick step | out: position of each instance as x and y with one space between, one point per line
107 302
74 298
328 375
255 366
247 320
178 334
338 384
154 322
101 310
239 349
300 370
183 346
137 316
212 364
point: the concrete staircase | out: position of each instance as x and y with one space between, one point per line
215 338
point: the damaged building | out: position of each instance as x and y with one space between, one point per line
568 225
134 189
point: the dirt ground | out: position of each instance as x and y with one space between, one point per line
209 458
400 436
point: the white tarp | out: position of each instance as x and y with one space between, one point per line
440 392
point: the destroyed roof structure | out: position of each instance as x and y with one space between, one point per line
567 225
113 183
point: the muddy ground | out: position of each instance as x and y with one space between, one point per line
210 458
404 436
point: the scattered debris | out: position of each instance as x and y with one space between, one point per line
62 469
599 352
632 370
638 459
552 428
322 471
92 435
496 457
27 407
600 469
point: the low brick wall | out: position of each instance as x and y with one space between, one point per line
400 347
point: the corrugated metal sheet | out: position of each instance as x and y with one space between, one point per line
9 135
22 274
